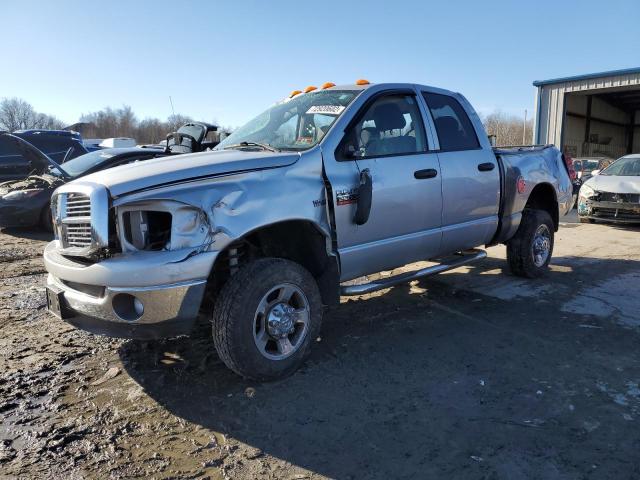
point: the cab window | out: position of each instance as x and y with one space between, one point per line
455 131
391 126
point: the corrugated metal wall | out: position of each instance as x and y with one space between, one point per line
551 101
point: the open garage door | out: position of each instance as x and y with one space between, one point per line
602 123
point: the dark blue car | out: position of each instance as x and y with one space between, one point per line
25 202
59 145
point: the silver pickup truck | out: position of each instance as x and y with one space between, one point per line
330 185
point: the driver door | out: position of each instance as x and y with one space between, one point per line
387 137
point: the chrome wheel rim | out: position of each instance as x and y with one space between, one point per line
541 246
281 322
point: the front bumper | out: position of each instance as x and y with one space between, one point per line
615 212
99 297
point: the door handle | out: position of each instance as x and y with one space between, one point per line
486 167
426 173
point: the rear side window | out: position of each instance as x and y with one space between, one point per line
453 126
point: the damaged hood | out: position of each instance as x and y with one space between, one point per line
180 168
40 163
614 184
30 183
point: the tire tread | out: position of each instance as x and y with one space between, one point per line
518 248
227 311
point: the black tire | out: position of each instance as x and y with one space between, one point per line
46 222
586 220
520 248
234 315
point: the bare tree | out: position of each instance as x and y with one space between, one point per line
152 130
16 114
127 121
175 121
105 121
508 129
48 122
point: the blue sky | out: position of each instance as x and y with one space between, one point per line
229 60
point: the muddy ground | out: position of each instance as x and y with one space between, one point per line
473 374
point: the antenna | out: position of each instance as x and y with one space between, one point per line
173 112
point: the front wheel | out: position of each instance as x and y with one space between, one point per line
266 317
529 251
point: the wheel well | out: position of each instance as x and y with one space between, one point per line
543 197
296 240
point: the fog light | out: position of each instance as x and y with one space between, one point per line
127 307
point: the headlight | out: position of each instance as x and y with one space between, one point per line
18 195
161 225
586 191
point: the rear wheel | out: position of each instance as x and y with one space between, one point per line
529 251
266 317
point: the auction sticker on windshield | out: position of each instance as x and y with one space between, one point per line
327 109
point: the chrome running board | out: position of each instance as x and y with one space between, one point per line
460 259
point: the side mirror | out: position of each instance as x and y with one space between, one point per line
363 208
595 172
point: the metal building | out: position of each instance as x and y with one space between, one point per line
596 114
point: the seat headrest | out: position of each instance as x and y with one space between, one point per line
388 117
367 134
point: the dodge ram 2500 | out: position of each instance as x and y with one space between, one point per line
327 186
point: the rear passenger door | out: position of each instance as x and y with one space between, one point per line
470 175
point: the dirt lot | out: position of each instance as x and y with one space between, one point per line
473 374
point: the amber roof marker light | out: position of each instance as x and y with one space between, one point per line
310 88
327 85
294 93
362 81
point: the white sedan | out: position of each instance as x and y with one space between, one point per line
613 194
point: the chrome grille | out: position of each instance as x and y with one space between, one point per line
81 212
77 235
78 205
76 223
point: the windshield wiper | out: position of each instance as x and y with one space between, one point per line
264 146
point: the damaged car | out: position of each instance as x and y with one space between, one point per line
58 145
613 194
325 188
26 202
